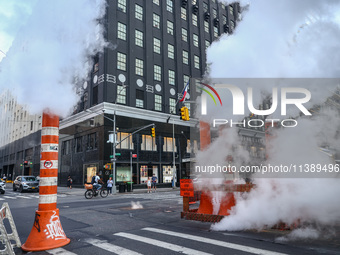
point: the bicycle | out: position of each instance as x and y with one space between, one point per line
93 192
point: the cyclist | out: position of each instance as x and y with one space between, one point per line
97 182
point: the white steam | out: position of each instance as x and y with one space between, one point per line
285 39
50 50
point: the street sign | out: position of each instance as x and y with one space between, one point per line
117 154
187 188
113 159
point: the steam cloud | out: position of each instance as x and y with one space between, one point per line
50 51
284 39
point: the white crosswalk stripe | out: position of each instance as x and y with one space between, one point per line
9 197
214 242
24 197
111 247
162 244
60 251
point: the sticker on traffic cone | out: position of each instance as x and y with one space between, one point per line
47 232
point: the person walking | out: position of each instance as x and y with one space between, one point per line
154 181
148 183
69 182
109 185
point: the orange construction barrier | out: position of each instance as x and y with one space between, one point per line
47 232
226 204
205 137
206 205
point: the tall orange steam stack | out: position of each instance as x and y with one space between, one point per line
47 232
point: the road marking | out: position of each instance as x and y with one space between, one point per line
162 244
2 199
215 242
110 247
9 197
60 251
23 197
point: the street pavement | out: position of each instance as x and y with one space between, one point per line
112 226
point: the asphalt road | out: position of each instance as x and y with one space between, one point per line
110 226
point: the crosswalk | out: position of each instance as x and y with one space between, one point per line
15 196
160 239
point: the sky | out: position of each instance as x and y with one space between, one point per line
13 14
48 44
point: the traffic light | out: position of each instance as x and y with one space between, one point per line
185 113
153 132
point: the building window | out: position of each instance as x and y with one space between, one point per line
139 98
206 26
184 34
156 45
185 79
158 103
169 5
172 77
170 27
172 105
66 147
214 13
91 141
157 70
171 51
215 31
125 141
148 143
122 5
139 67
224 19
195 40
156 2
121 61
205 7
138 12
168 145
156 21
231 10
232 25
207 44
194 19
183 13
122 31
197 62
185 57
78 144
121 94
139 38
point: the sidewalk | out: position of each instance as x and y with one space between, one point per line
81 191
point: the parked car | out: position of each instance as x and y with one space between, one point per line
2 187
23 183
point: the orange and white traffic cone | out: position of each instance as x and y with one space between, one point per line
47 232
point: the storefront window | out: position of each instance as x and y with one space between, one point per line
143 174
146 172
123 174
167 174
90 171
